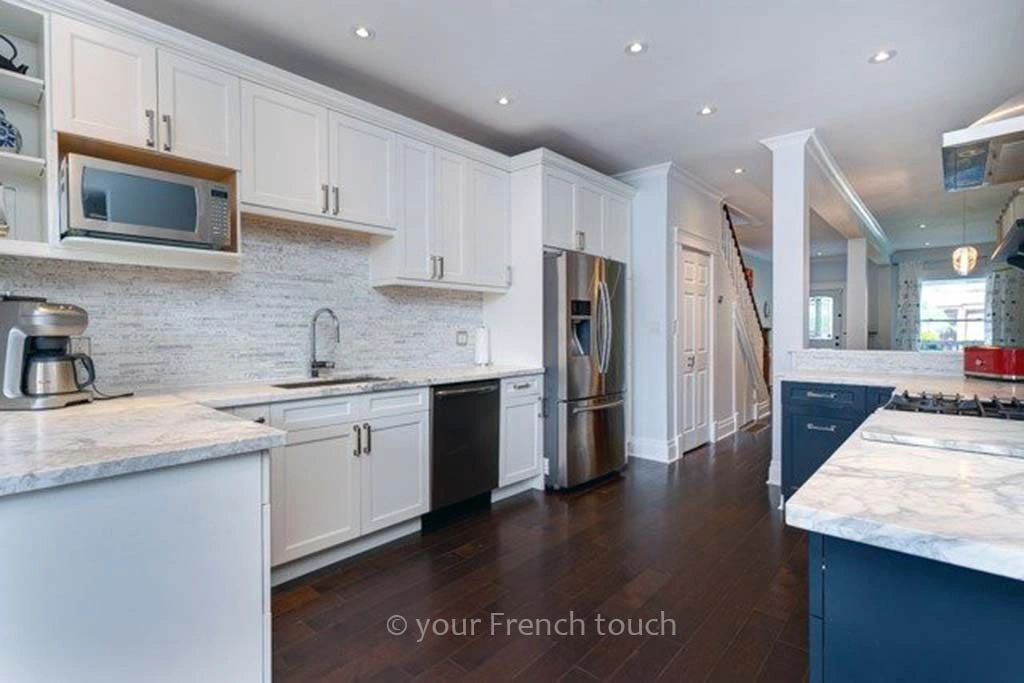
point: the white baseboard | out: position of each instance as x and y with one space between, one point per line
654 449
726 427
305 565
763 409
519 487
775 473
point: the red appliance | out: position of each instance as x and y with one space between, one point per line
995 362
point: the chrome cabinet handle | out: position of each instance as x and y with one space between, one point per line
359 440
440 260
151 123
337 200
818 394
818 428
327 201
522 385
369 438
591 409
167 141
433 267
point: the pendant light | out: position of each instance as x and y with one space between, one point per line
965 257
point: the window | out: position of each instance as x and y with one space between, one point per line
820 317
952 314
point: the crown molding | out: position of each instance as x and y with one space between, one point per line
547 157
669 170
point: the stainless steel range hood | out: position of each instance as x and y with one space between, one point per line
988 152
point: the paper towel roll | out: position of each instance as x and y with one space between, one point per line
482 346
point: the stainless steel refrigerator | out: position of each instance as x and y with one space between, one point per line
585 367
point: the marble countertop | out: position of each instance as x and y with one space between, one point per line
44 449
949 385
235 395
965 509
948 432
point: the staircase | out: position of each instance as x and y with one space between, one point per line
752 333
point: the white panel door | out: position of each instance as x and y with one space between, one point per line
617 221
589 220
198 111
559 209
363 172
489 221
104 84
395 466
284 151
314 492
453 242
522 440
416 208
693 347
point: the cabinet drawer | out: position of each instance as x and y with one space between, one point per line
315 412
813 440
396 402
824 395
522 386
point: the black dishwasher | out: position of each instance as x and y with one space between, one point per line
464 442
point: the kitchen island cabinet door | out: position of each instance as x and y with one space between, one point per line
314 491
395 470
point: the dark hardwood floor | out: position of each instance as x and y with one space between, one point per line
700 540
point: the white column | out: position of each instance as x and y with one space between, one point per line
790 267
856 325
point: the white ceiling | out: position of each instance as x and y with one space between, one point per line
769 68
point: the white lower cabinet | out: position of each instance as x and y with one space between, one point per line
314 492
352 465
395 470
522 429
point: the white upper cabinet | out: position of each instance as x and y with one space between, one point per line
453 242
411 248
488 216
364 182
559 209
284 152
198 108
617 225
105 84
588 235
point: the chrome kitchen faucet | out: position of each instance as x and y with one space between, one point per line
315 366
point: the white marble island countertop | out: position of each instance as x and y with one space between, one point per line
47 448
964 509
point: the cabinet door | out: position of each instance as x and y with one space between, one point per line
589 220
617 222
363 172
488 219
416 208
522 440
559 209
284 151
452 239
104 84
812 440
314 492
395 470
198 111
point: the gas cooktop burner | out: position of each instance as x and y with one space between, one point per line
1012 409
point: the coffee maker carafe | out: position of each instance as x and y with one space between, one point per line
38 369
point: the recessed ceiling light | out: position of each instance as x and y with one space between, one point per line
364 32
881 56
739 170
927 244
635 47
922 226
819 253
503 100
706 110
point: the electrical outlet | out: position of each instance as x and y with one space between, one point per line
461 338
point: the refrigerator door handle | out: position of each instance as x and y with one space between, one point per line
602 406
609 323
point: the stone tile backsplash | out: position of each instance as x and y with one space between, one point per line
155 327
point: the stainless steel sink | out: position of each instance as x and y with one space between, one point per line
329 381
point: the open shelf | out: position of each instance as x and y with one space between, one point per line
27 89
21 164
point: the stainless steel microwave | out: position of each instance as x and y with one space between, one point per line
108 199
